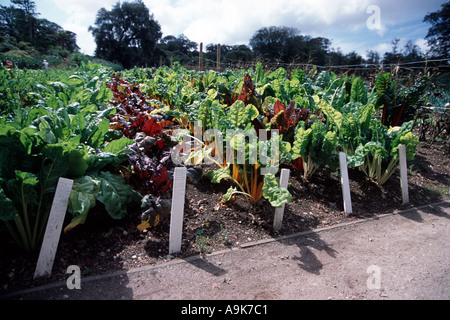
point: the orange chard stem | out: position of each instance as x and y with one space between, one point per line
246 181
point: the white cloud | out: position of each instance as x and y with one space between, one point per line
235 21
422 44
382 48
80 15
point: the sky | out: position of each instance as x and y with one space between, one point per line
351 25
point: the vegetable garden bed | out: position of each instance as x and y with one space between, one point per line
99 133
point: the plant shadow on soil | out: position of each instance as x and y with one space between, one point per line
103 245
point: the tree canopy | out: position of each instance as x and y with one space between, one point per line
20 28
438 35
287 45
180 48
127 34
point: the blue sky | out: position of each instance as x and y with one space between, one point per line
235 21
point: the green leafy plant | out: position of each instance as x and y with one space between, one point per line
239 163
109 189
316 146
351 125
379 157
64 134
399 103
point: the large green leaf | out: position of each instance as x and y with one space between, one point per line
217 114
410 141
279 74
357 158
217 175
117 146
333 116
336 93
299 75
358 91
382 84
7 210
83 197
328 154
276 195
109 189
115 194
63 159
75 81
324 79
23 189
301 142
239 115
97 162
365 116
259 77
98 137
78 123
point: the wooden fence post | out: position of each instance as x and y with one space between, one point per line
200 58
218 58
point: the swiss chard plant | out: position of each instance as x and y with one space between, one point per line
399 103
378 157
368 144
317 146
149 168
64 134
241 164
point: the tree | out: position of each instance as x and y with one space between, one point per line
50 35
287 45
353 58
29 9
411 52
127 34
20 29
373 57
181 44
235 53
7 21
179 48
395 56
229 54
438 35
273 42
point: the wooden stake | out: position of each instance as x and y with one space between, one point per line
403 174
200 58
176 214
345 183
279 212
54 226
218 58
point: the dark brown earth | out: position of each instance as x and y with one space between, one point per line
103 246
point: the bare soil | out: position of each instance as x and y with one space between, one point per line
103 245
